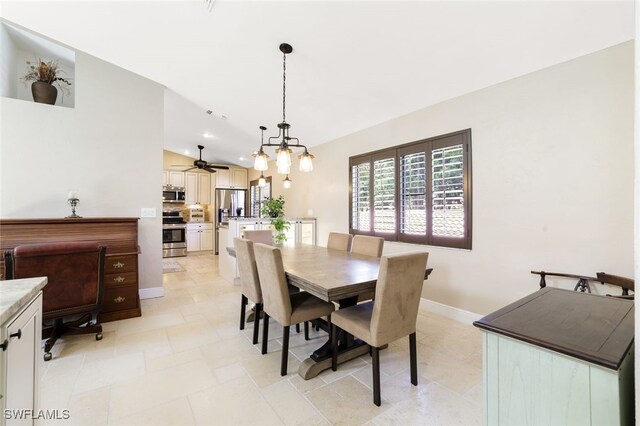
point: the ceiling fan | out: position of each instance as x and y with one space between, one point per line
201 164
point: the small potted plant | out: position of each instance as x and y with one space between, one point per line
45 76
274 208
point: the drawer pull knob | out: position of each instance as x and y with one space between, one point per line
118 265
4 345
119 299
119 279
18 334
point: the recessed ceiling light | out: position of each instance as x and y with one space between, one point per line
186 152
207 135
241 158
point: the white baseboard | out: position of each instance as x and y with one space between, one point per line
457 314
150 293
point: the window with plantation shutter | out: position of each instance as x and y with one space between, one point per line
418 192
257 196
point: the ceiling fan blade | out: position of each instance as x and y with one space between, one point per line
190 168
181 165
209 169
211 166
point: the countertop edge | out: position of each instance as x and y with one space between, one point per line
20 293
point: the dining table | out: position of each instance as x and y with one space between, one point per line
333 276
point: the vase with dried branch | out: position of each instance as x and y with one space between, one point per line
45 77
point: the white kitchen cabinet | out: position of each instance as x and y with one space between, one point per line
19 362
234 178
172 178
301 231
197 188
199 236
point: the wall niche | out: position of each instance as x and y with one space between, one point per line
19 45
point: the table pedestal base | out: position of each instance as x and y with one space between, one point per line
310 368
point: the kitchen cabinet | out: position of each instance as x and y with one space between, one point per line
199 236
173 178
234 178
197 188
301 231
20 337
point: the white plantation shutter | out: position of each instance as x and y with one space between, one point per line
413 194
384 193
447 208
360 198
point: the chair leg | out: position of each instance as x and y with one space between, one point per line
376 375
265 333
285 351
243 306
256 323
413 359
306 330
334 347
297 328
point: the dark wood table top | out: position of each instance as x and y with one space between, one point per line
331 275
597 329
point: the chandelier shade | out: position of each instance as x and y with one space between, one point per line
283 141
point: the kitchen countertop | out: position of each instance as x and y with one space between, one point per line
15 294
268 218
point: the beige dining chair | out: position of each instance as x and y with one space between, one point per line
390 317
339 241
367 246
263 236
285 308
249 282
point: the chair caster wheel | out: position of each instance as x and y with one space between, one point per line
48 356
98 336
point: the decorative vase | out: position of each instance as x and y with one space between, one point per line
44 93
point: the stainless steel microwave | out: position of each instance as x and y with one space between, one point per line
173 194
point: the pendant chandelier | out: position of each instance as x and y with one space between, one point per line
283 141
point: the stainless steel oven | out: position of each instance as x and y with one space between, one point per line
174 234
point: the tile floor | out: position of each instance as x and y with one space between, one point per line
186 362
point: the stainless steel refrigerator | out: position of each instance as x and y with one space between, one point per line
229 203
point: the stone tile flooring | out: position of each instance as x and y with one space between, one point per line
186 362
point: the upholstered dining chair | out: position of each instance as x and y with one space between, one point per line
367 246
339 241
262 236
285 308
72 298
390 317
249 282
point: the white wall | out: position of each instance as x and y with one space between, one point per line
552 179
109 147
8 68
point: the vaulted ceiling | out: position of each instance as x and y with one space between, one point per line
355 63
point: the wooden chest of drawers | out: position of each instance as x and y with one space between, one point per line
119 235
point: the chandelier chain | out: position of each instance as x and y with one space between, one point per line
284 86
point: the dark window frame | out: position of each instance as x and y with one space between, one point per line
427 146
260 202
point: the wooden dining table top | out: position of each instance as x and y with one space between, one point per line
331 275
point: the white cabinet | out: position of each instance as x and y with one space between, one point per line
173 178
197 188
199 236
234 178
301 231
19 360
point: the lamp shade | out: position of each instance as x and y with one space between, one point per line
286 182
262 182
283 161
261 161
306 163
